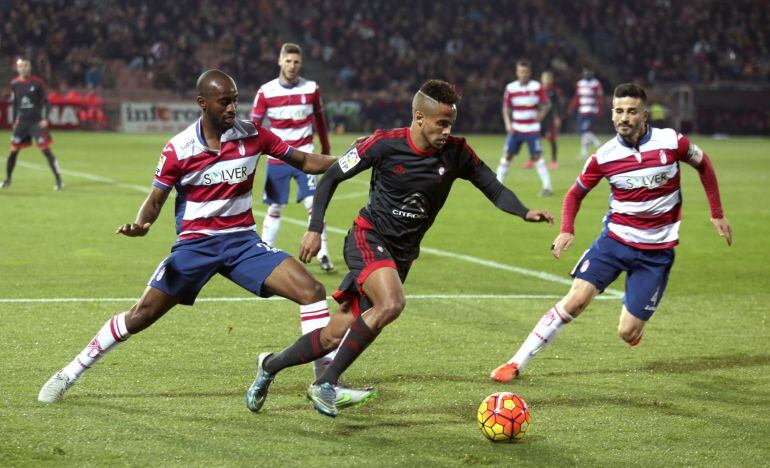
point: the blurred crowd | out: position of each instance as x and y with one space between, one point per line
379 51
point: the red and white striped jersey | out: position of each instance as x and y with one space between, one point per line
524 101
214 186
645 201
291 111
588 96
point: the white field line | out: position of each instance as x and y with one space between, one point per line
411 297
442 253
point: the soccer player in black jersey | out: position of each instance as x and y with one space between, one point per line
30 120
413 170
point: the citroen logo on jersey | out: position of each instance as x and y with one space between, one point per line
415 206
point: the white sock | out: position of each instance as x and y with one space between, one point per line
502 169
312 317
546 330
542 172
272 223
594 141
584 145
308 202
110 335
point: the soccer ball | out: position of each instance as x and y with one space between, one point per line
503 417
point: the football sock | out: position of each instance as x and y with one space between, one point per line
53 164
554 150
272 223
546 330
355 341
594 141
314 317
110 335
306 349
542 172
308 201
502 169
584 145
10 164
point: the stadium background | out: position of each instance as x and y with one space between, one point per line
705 61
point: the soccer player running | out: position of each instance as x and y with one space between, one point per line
413 170
211 165
30 121
293 105
587 101
551 123
524 106
641 165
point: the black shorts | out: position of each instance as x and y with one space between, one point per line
25 132
365 251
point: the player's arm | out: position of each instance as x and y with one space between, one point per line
482 177
544 106
573 104
310 163
507 109
348 166
45 104
148 214
259 109
320 123
695 157
14 105
587 180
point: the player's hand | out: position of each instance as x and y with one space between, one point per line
44 123
309 247
723 229
556 123
562 242
538 216
134 230
509 128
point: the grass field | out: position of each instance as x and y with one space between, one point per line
696 392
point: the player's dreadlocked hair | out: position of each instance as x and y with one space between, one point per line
440 91
631 90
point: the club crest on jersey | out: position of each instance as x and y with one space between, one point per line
441 170
303 99
349 160
241 148
662 155
159 169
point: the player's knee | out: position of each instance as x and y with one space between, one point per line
313 292
391 309
575 304
629 333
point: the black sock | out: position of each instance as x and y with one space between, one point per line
10 164
53 164
355 342
553 150
306 349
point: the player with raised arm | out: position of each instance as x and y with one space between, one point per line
587 101
294 107
211 166
30 121
641 165
524 106
413 170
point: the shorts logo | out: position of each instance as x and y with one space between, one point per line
161 162
380 249
441 170
585 265
349 160
160 274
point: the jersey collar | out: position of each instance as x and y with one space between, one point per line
414 148
641 141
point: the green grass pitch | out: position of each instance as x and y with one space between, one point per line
696 392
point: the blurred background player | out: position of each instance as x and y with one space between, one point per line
30 120
524 106
293 105
641 164
588 102
551 123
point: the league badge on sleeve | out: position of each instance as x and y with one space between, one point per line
349 160
162 161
